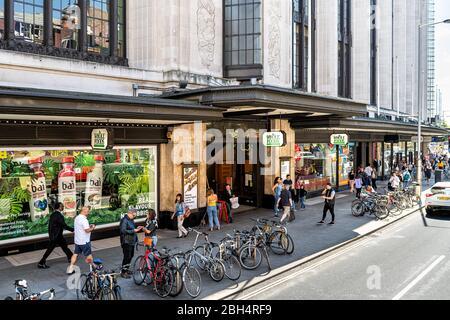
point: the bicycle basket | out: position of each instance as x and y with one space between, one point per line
148 242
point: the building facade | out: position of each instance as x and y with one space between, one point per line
114 97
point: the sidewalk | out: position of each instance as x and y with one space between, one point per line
309 239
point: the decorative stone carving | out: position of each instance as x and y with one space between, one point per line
206 31
274 43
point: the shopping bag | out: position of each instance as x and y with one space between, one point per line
234 203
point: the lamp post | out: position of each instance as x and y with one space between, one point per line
419 102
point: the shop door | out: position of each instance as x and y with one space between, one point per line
245 184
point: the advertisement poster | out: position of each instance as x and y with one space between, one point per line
190 183
110 182
285 168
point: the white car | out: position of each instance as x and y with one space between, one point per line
438 198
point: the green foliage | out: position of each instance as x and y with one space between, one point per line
51 168
84 160
21 195
10 207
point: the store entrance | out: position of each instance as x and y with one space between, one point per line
241 177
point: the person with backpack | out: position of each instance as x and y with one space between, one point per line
329 195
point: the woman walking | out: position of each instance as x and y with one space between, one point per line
428 169
351 178
180 208
276 189
213 217
302 196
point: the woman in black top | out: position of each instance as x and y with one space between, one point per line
151 225
351 178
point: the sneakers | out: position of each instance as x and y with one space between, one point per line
321 222
43 266
331 223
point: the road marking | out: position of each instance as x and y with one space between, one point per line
419 277
297 273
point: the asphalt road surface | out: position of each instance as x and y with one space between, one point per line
409 260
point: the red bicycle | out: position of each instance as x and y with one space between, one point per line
152 268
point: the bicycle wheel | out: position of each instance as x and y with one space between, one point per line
216 270
250 257
177 282
266 256
232 266
163 281
118 292
192 281
204 252
85 288
381 211
106 294
291 246
278 243
357 208
138 270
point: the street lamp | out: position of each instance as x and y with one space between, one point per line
419 102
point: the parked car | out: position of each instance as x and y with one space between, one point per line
438 198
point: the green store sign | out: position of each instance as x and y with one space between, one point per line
275 139
339 139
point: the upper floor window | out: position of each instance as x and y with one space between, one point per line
344 48
301 43
242 34
81 29
29 20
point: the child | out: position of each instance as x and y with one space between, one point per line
358 186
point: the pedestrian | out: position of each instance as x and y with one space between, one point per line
213 217
358 185
56 227
291 189
374 178
82 237
406 179
128 240
151 225
351 179
329 195
285 200
276 189
302 193
227 195
394 182
368 176
180 209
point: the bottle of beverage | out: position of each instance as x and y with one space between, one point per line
67 188
39 201
94 184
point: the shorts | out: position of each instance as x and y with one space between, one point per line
86 249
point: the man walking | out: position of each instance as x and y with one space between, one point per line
56 227
286 202
329 195
83 232
128 239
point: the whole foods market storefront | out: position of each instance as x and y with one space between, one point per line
48 155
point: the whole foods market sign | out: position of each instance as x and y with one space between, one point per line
275 139
101 139
339 139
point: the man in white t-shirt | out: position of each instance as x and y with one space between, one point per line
368 180
82 239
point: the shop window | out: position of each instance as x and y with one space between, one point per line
66 23
29 20
98 26
110 182
121 28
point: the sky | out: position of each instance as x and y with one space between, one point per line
443 54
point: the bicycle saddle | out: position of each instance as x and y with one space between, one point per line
21 283
98 261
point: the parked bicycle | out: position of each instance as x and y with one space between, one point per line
21 288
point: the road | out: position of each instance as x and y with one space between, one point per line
409 260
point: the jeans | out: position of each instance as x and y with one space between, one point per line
213 218
405 184
128 253
275 207
302 203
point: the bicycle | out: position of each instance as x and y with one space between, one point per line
88 286
176 267
21 288
279 241
156 271
250 255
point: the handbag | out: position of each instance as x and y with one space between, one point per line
234 203
187 213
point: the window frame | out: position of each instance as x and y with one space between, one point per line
344 48
11 42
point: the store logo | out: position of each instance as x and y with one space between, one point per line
339 139
99 139
274 139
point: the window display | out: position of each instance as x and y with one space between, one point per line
109 182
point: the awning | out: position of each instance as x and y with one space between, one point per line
263 101
33 104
